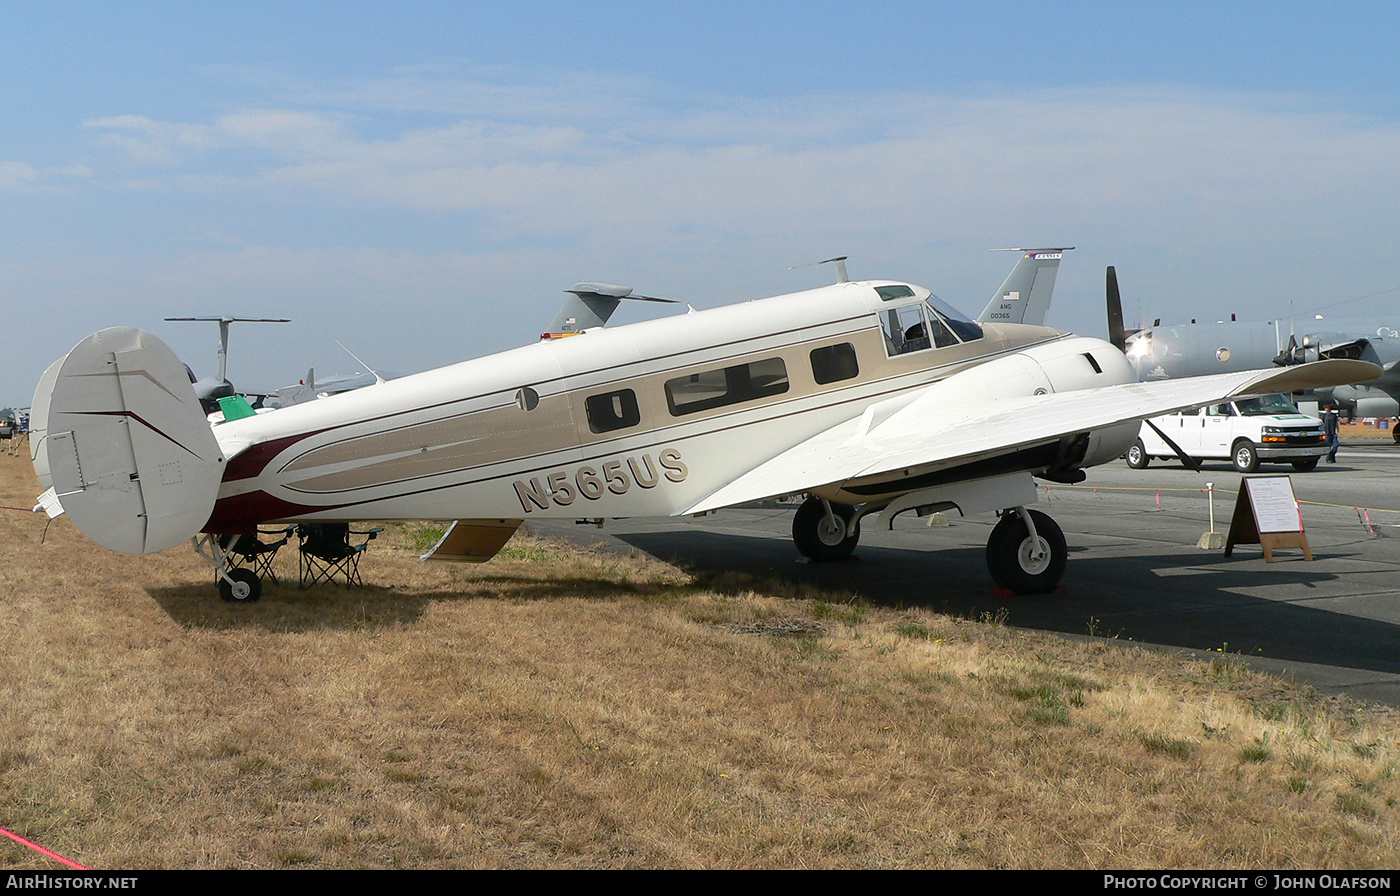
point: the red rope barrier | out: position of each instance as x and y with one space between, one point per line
36 847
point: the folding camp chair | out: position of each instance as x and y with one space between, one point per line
247 550
327 551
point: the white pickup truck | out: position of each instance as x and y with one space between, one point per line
1246 432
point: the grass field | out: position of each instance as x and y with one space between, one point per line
563 709
1350 431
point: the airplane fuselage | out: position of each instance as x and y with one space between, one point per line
639 420
870 398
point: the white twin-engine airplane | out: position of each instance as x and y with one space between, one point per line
872 398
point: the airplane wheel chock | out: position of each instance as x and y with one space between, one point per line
823 531
1023 564
245 588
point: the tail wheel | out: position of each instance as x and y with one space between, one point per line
1023 564
819 535
245 588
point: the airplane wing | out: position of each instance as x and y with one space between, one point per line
943 427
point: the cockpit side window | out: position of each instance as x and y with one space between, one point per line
904 330
913 328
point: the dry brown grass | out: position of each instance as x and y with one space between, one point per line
1361 431
558 708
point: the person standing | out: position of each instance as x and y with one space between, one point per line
1329 428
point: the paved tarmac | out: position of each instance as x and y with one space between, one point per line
1135 572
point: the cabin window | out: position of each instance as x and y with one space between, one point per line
834 363
709 389
612 410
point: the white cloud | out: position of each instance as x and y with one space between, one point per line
23 177
15 175
1127 151
518 190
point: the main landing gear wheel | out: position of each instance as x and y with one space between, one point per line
245 588
820 535
1023 564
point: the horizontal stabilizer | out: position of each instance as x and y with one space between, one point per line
126 447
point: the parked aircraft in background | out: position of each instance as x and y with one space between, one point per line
1198 349
1024 297
872 398
210 389
591 306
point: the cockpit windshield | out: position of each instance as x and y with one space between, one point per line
1266 406
966 329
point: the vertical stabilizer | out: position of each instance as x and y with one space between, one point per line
590 306
125 445
1024 297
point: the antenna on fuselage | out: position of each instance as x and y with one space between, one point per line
378 380
839 261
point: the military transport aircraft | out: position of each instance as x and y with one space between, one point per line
872 398
210 389
1163 351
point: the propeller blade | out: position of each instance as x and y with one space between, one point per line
1117 334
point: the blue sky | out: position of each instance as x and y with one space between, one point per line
420 181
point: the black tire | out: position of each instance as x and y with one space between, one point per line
1137 456
1245 457
1011 560
1306 465
245 589
816 538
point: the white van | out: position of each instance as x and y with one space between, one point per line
1246 432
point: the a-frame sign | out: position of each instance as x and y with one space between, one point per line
1267 514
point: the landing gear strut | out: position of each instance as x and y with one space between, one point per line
1026 552
825 531
236 585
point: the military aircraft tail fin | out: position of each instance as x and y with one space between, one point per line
1024 297
591 305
